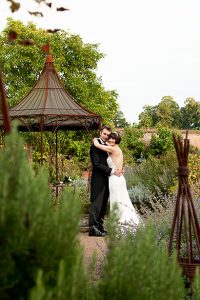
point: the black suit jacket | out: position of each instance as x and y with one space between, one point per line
100 171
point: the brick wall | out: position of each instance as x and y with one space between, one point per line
193 136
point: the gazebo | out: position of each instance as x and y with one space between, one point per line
49 107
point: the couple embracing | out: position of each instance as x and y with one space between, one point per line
108 182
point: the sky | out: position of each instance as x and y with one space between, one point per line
152 47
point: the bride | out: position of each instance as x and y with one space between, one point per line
127 216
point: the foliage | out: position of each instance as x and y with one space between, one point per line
152 180
194 167
67 287
168 114
40 253
190 114
161 216
161 142
73 151
119 120
196 286
137 268
83 190
141 197
33 234
148 117
194 173
76 145
132 143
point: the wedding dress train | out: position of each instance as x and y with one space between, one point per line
127 217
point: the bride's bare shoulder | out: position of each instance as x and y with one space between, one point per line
120 150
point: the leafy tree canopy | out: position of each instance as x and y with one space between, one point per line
119 120
148 117
191 113
168 114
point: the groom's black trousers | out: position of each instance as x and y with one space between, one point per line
97 209
99 188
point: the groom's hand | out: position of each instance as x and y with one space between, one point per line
118 172
95 141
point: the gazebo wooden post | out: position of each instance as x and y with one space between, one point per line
62 167
4 106
56 163
41 140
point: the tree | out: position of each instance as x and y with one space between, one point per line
119 120
161 142
148 117
168 112
190 114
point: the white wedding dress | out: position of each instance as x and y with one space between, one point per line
128 219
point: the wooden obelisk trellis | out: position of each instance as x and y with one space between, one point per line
185 230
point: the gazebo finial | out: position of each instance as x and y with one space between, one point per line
46 49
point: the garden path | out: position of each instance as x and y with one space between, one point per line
92 245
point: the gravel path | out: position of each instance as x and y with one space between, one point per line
93 245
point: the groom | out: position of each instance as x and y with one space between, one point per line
99 185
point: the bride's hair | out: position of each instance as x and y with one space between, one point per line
115 136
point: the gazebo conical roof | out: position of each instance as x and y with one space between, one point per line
48 106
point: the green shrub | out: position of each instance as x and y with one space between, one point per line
161 216
152 181
34 235
141 197
70 284
81 186
41 257
137 267
160 143
194 167
196 286
132 144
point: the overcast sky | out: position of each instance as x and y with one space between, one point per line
152 47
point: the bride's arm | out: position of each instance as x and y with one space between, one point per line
103 147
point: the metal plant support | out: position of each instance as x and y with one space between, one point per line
185 230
